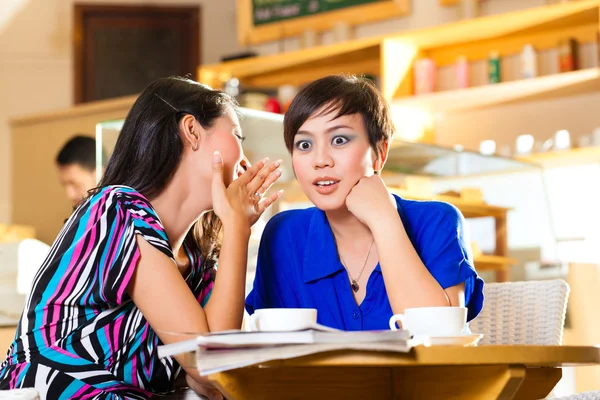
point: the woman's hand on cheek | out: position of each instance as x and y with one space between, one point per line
370 201
242 202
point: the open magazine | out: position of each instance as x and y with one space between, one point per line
223 351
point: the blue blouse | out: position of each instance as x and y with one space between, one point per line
298 265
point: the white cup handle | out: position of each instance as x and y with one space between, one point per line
253 322
396 318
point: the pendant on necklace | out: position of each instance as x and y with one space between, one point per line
354 286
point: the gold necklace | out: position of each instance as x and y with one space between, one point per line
354 282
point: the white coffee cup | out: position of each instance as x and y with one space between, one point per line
282 319
432 321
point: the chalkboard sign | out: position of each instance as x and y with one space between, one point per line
269 11
267 20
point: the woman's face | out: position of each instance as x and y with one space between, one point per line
224 136
330 155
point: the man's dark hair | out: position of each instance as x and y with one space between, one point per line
344 95
79 150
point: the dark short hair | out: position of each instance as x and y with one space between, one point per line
79 150
347 95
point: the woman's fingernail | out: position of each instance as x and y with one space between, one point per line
265 160
278 172
277 163
216 157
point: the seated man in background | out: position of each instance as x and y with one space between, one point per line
76 164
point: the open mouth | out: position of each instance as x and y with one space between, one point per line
326 185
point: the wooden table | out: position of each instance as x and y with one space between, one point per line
441 372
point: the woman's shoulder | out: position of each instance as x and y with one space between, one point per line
125 202
292 219
428 210
120 196
290 224
118 192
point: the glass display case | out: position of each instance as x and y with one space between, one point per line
264 137
439 161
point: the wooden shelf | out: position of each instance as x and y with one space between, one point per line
565 158
391 56
486 262
540 88
297 67
468 209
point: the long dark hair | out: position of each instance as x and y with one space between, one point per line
149 147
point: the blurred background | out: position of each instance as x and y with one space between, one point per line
496 105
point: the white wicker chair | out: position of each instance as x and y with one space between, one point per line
531 312
595 395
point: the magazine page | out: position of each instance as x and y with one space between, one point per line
210 361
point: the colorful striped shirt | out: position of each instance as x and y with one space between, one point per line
80 335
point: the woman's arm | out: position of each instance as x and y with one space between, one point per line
225 308
165 300
238 208
412 285
162 295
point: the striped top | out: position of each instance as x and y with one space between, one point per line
80 335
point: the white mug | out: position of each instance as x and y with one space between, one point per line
282 319
432 321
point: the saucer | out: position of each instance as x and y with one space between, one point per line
460 340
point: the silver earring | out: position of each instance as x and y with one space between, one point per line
195 147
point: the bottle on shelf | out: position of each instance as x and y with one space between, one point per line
232 87
525 144
469 8
253 100
494 67
285 94
596 137
272 105
487 147
462 72
568 54
309 38
529 62
562 140
425 76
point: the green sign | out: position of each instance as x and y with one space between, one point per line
268 11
